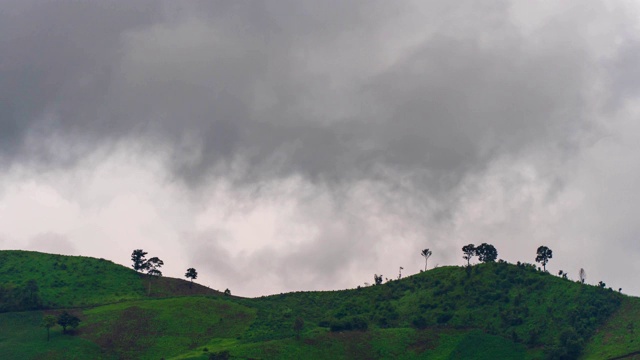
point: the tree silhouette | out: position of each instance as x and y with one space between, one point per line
67 320
152 265
377 279
543 256
426 253
486 253
139 261
191 274
583 275
48 322
469 252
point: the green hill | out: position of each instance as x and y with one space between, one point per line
487 311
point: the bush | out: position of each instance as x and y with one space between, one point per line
348 324
419 322
444 318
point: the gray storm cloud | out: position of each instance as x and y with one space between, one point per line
415 99
300 87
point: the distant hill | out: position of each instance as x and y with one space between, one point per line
487 311
76 281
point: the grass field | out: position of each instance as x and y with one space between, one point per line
620 335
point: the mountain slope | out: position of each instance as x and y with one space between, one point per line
31 280
487 311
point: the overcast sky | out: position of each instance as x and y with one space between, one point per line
289 145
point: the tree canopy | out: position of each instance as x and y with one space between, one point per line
48 321
426 253
486 253
543 256
67 320
469 252
152 266
139 260
191 274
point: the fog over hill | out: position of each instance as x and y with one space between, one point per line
293 145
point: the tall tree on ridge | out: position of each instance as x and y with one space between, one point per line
426 253
469 252
139 260
583 275
543 256
152 266
191 274
486 253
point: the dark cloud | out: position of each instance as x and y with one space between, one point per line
414 99
294 85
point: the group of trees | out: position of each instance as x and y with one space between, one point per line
140 263
485 253
152 266
64 319
488 253
20 298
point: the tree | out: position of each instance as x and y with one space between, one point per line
486 253
191 274
139 261
29 296
544 254
426 253
469 252
227 292
48 322
562 274
298 325
583 275
67 320
152 265
377 279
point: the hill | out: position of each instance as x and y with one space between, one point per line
33 280
487 311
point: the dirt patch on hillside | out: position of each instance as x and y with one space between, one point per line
424 340
166 286
131 329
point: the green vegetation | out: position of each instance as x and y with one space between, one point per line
65 281
619 335
487 311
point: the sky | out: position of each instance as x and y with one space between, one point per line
281 146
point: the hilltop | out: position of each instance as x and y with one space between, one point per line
487 311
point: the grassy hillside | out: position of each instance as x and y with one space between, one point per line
488 311
32 280
620 335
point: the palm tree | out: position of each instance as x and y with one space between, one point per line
426 253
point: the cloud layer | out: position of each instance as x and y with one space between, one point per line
296 145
